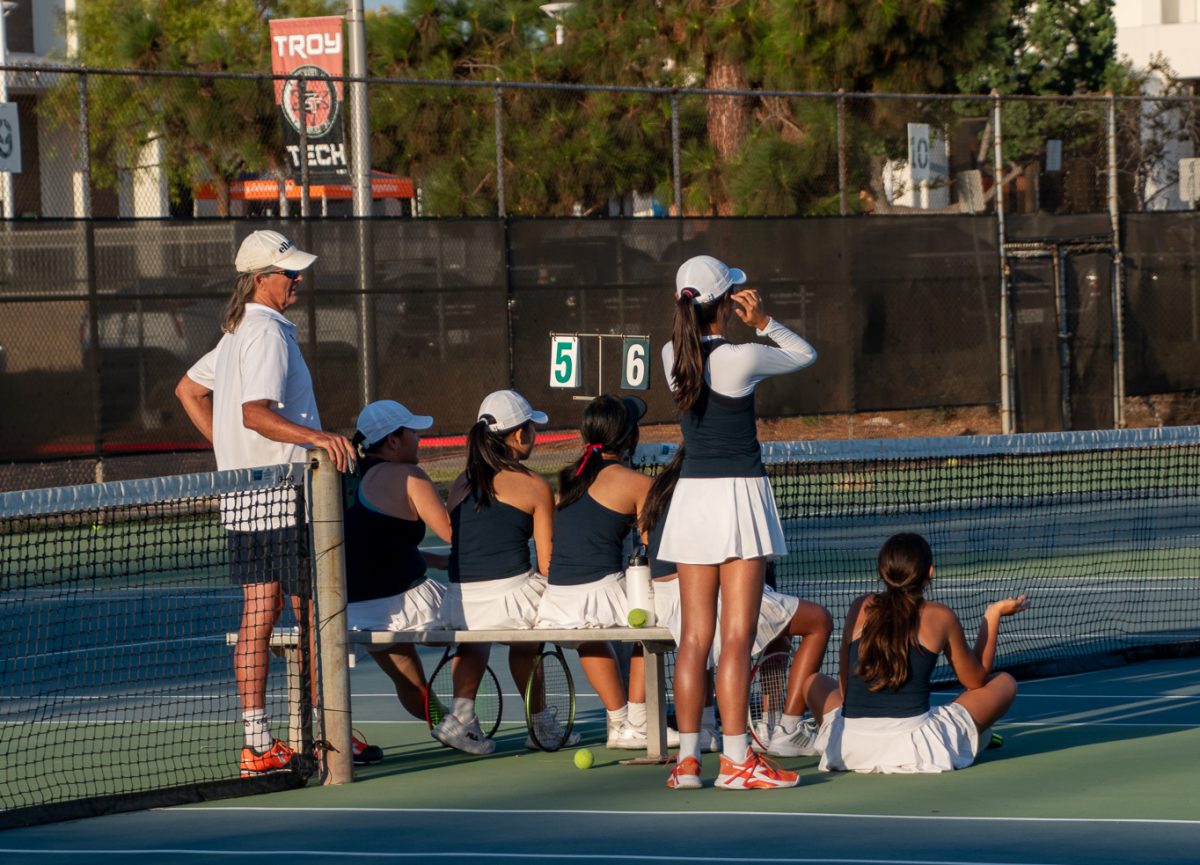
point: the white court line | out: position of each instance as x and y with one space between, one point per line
591 812
1109 696
508 857
341 855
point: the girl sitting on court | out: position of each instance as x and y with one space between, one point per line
879 719
599 499
496 506
781 617
386 586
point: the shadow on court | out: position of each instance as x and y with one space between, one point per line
1096 768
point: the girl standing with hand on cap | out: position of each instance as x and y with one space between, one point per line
386 586
599 499
722 524
496 506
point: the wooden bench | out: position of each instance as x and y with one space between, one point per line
655 641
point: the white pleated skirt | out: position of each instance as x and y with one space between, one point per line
495 604
598 604
418 609
774 616
942 740
712 520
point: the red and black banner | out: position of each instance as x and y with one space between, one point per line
311 49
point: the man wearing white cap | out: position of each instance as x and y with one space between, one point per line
252 397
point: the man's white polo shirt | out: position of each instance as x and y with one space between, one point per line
260 360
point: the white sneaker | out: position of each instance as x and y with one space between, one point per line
760 735
798 743
548 729
468 738
710 741
626 737
672 736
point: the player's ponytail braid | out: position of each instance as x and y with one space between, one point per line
894 619
687 370
487 456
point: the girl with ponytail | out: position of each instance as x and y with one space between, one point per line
722 525
599 500
877 717
496 506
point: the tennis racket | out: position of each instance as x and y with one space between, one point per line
768 691
550 701
439 696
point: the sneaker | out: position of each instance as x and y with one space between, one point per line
468 738
364 754
275 759
626 737
798 743
685 775
546 725
710 742
672 736
754 773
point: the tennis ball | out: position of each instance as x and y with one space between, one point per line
637 618
952 461
97 527
584 758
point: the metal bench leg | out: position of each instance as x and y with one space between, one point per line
656 706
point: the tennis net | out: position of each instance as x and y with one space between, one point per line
1100 529
117 687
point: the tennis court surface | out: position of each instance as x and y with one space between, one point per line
1096 768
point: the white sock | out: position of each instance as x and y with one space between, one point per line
789 723
257 729
637 714
708 721
617 717
689 745
464 709
734 747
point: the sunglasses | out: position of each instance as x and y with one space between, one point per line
293 275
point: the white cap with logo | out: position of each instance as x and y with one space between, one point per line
383 417
504 410
263 249
704 279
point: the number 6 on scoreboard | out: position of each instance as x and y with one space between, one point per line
564 361
635 365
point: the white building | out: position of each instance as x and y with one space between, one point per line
51 181
1171 29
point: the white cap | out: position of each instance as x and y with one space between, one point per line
383 417
263 249
506 409
707 277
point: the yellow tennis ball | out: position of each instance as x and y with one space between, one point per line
584 758
637 618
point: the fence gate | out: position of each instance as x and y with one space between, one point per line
1063 338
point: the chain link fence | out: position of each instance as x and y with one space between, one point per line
1029 255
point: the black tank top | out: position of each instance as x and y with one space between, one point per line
720 434
911 698
382 554
491 543
658 567
589 542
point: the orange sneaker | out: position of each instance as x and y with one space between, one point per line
276 758
754 773
685 775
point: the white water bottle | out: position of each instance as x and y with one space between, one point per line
639 590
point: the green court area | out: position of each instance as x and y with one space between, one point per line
1096 768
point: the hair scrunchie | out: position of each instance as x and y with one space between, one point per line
689 292
588 450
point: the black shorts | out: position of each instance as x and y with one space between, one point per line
273 556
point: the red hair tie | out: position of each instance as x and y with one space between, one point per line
588 450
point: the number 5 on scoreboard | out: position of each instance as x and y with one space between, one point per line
564 361
635 366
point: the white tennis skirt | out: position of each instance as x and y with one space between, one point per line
598 604
942 740
774 616
494 604
418 609
712 520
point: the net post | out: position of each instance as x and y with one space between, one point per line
330 565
